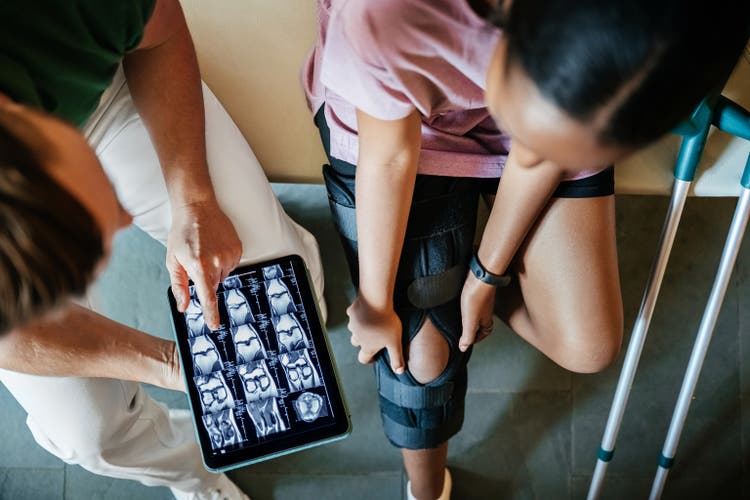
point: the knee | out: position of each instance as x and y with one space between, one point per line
428 353
588 349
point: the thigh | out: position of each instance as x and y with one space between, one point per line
73 417
569 282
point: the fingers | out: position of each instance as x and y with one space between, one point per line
206 281
365 357
469 332
474 331
179 280
397 358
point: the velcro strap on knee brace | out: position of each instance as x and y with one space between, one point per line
436 289
415 437
414 397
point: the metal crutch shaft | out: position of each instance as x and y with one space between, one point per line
695 132
705 331
638 338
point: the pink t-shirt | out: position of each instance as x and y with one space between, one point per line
390 57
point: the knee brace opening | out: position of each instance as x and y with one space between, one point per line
428 353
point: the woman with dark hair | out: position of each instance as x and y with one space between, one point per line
434 101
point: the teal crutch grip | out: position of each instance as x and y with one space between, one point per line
732 118
694 132
746 174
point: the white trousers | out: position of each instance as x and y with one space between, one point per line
113 427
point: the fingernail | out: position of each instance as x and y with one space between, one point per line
399 370
463 347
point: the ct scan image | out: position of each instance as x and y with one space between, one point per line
205 355
299 370
194 317
272 272
214 392
238 308
223 429
279 298
289 333
231 282
257 381
266 417
247 344
310 407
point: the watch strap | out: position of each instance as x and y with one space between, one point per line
485 276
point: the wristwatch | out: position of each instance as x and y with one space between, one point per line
485 276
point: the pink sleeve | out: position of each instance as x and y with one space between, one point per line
355 67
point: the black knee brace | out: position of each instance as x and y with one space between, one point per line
431 274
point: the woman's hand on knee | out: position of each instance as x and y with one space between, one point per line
373 330
477 302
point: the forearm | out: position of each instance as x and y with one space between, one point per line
165 83
81 343
522 195
384 196
386 172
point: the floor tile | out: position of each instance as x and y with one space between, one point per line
133 288
506 363
632 487
381 486
31 484
513 446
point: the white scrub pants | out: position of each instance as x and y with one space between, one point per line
113 427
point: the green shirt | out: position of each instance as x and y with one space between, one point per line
60 55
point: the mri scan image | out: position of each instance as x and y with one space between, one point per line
266 417
247 344
279 298
299 370
257 381
194 317
205 355
289 333
232 282
238 308
214 392
310 406
272 272
222 428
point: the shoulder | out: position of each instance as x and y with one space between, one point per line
383 24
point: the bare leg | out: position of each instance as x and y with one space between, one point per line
426 471
567 301
428 356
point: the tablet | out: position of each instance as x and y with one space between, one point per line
264 384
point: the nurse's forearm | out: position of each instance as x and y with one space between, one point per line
81 343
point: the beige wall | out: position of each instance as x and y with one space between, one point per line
250 52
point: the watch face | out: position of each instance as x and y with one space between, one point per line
264 382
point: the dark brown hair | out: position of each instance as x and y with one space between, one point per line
49 243
648 62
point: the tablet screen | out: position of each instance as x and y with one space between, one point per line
263 383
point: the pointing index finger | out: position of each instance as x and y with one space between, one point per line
206 290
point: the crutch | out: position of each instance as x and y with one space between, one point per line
731 118
694 132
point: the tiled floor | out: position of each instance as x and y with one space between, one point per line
532 429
